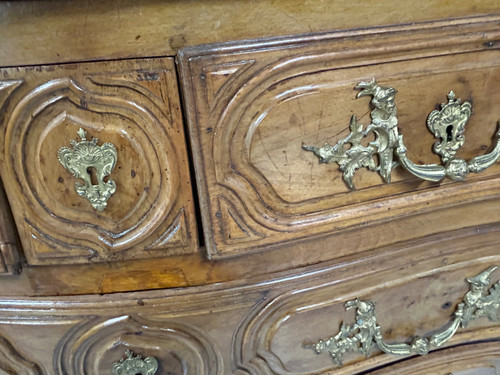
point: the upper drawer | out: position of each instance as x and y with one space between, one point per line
94 161
252 105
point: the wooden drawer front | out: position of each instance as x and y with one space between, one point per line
91 345
259 325
279 338
133 105
251 106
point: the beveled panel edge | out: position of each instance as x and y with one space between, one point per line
11 359
279 42
253 345
82 349
259 300
10 257
151 31
463 246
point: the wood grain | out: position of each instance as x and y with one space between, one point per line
195 269
250 107
35 32
133 105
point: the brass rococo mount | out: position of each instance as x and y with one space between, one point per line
135 365
365 334
447 124
81 158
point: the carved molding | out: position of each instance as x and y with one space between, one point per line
478 358
92 347
10 261
14 362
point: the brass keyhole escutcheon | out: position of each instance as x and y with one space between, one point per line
92 164
135 365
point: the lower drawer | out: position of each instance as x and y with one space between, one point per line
269 326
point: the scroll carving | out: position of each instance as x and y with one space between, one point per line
246 129
13 362
86 348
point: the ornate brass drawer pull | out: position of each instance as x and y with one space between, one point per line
86 155
447 124
135 365
366 333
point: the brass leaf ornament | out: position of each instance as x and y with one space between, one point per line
135 365
84 157
447 124
365 333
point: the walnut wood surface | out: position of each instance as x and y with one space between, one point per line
251 106
193 270
257 325
459 204
408 246
131 104
40 32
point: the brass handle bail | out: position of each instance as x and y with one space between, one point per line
447 124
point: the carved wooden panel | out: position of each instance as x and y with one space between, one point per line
10 262
251 106
135 106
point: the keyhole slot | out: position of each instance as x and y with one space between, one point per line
91 171
449 133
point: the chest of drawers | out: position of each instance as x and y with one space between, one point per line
162 211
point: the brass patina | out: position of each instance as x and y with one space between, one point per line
81 159
365 333
135 365
447 124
